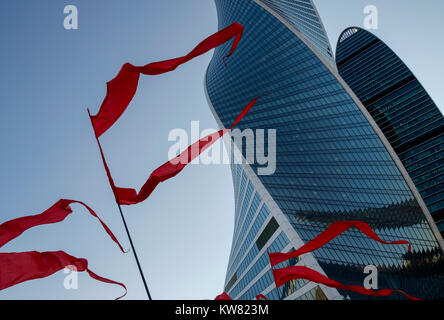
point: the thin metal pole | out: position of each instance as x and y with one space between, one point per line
122 216
135 253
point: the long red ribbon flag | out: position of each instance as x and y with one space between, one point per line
329 234
57 213
19 267
284 275
121 90
16 268
171 168
24 266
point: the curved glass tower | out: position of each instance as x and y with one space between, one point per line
401 107
332 163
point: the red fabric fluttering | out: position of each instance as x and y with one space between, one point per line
168 170
284 275
334 230
223 296
121 90
261 297
57 213
24 266
19 267
16 268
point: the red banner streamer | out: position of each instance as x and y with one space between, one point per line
329 234
171 168
20 267
282 276
57 213
24 266
121 90
223 296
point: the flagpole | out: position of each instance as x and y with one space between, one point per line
125 225
134 251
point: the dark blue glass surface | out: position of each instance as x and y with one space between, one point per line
402 109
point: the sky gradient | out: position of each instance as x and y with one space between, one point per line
183 231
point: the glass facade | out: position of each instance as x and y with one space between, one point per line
303 16
331 165
256 230
401 107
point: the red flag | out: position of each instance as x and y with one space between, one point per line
223 296
121 90
171 168
329 234
57 213
282 276
24 266
261 297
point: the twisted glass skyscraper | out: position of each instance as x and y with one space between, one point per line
332 163
401 107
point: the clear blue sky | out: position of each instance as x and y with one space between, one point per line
50 76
